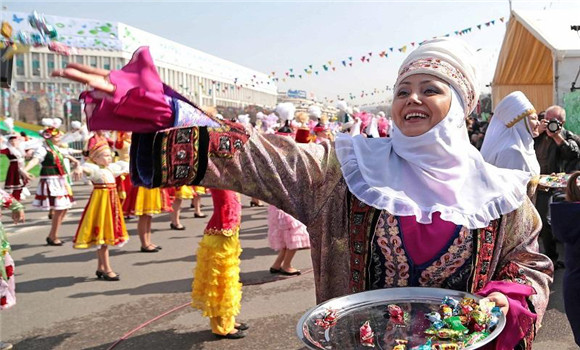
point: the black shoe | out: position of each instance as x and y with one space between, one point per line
53 243
286 273
199 215
254 204
100 274
106 276
242 327
273 270
237 335
149 250
175 227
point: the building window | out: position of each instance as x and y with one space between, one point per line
20 86
50 62
36 86
19 65
93 61
107 63
63 61
36 64
79 59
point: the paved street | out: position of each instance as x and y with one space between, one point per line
61 305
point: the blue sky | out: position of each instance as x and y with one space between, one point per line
275 36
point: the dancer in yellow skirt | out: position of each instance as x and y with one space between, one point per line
180 193
144 203
217 290
102 224
196 201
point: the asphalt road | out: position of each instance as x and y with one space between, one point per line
61 305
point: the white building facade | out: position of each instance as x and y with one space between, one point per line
204 79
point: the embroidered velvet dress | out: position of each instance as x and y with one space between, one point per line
307 182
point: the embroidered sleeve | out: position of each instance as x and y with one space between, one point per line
296 178
520 261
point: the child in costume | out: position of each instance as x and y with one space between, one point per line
16 177
7 284
566 227
53 192
216 288
286 234
102 223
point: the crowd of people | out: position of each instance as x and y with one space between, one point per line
381 202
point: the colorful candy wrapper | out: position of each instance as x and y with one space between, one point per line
446 311
454 323
448 346
401 344
426 346
475 337
328 320
367 336
396 315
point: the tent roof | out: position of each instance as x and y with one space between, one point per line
552 28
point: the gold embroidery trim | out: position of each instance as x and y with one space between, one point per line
520 117
228 232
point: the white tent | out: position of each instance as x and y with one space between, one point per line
540 56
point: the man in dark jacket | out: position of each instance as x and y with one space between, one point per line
557 151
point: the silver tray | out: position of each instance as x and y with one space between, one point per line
353 310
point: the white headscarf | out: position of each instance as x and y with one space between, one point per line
508 140
438 171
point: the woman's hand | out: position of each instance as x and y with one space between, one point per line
500 301
94 77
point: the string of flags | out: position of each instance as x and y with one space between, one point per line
312 70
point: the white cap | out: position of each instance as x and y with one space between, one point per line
286 110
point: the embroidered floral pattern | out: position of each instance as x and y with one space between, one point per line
456 256
448 70
396 266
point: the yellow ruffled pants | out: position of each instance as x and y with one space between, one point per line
216 288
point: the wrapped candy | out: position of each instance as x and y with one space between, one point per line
454 323
446 311
446 333
329 319
367 336
426 346
396 315
448 346
475 337
401 344
435 319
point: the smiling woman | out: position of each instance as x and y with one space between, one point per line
421 208
421 102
